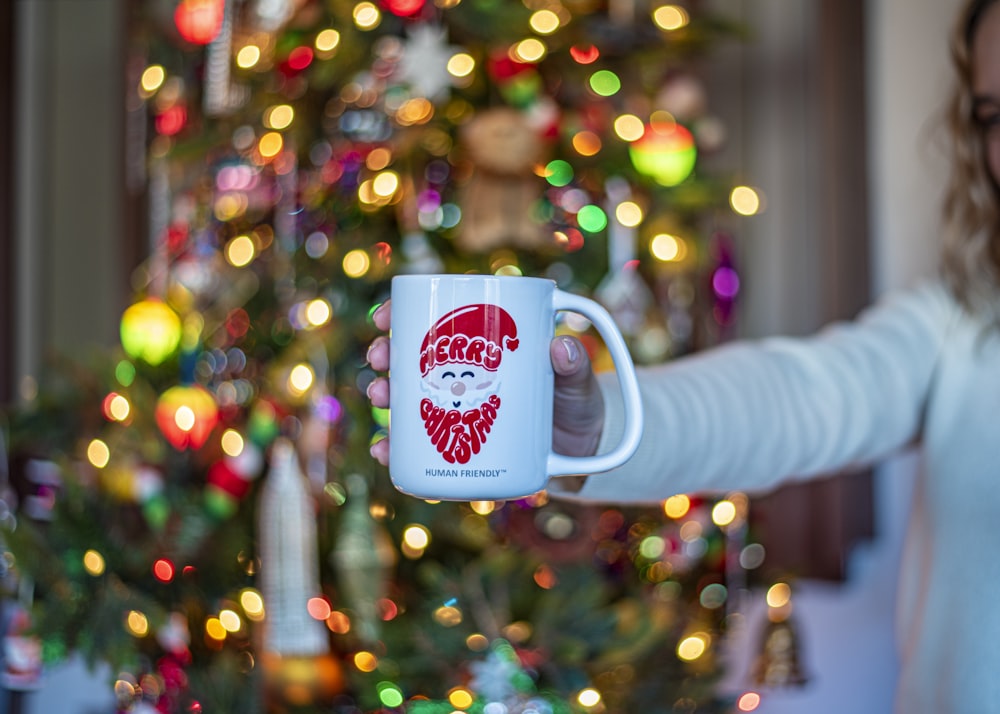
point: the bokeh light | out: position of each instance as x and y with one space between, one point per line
713 595
163 570
605 83
461 64
584 54
232 442
240 251
152 78
671 17
530 50
318 608
723 513
230 620
589 697
252 604
327 41
318 312
390 694
586 143
652 547
592 219
460 698
116 407
270 144
629 127
629 214
98 453
365 661
366 16
248 56
779 595
137 623
279 117
544 22
667 248
93 563
301 379
745 201
693 646
752 556
558 172
356 263
214 629
677 506
416 538
748 702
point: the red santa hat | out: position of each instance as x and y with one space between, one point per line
472 334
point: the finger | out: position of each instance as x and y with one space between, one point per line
378 354
380 451
381 316
378 392
570 362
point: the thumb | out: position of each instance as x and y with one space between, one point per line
578 408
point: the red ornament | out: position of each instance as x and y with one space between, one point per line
223 477
503 68
584 54
186 414
171 121
199 21
404 8
300 58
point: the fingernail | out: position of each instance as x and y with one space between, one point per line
368 354
572 354
368 389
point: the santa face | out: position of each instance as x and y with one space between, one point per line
459 386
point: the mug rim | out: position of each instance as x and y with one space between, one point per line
472 276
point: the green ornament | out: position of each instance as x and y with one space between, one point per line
156 510
219 504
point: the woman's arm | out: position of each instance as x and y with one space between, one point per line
747 415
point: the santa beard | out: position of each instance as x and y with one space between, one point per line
458 435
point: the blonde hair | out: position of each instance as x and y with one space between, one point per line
971 211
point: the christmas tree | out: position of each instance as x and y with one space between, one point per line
199 508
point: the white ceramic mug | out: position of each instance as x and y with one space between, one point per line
471 384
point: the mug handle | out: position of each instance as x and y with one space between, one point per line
560 465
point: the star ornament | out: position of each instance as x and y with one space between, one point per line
424 64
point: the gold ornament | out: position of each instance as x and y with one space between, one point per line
778 664
300 681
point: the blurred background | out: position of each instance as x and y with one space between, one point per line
201 201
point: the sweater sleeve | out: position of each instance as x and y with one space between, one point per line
749 415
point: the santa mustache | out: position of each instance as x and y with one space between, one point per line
460 387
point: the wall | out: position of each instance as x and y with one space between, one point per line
848 645
69 273
67 231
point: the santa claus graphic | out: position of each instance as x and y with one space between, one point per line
460 360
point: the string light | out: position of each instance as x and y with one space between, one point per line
98 453
93 563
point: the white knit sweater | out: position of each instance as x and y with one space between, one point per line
914 368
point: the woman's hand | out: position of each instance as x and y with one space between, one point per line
578 408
